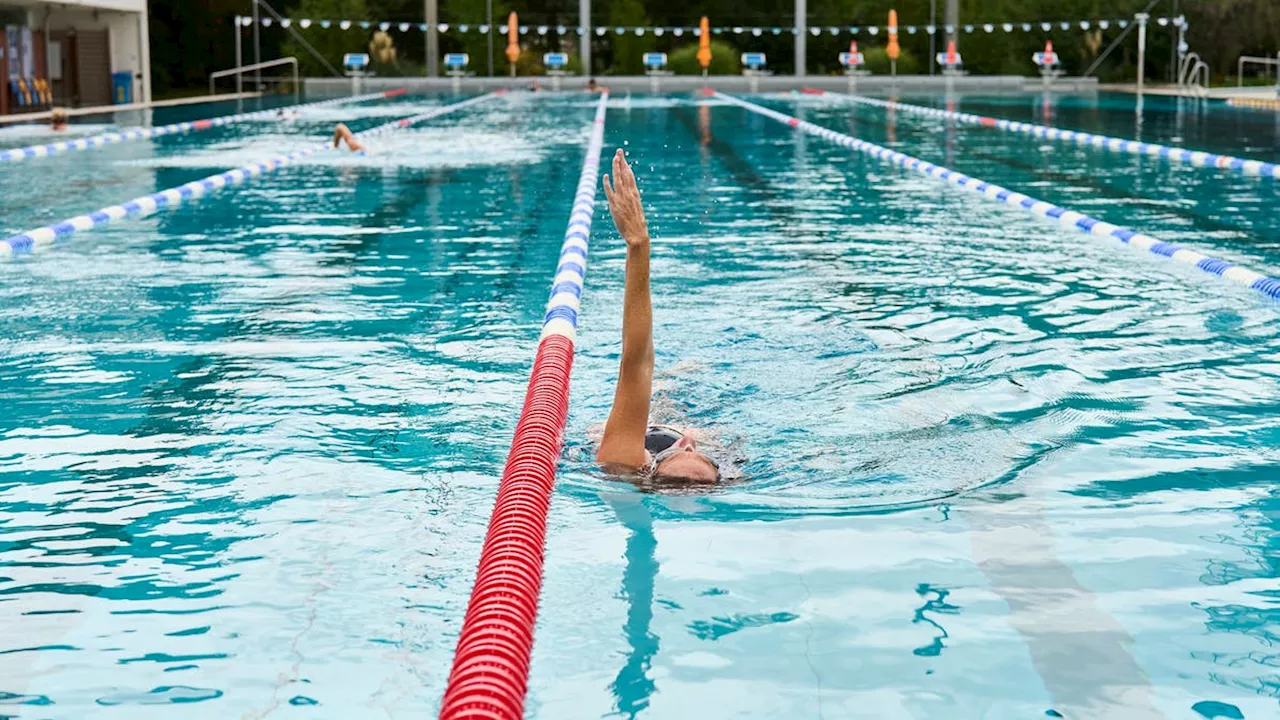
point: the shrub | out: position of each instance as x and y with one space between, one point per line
878 62
724 60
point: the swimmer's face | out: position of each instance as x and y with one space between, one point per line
688 464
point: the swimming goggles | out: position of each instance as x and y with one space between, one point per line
660 441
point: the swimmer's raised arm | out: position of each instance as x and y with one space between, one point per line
623 443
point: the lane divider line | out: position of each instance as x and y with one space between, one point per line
1064 217
1195 158
490 674
111 138
140 207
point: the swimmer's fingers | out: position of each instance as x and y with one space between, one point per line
608 189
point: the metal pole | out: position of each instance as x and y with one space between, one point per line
433 39
239 59
488 18
802 31
257 45
1174 55
1142 46
933 22
584 21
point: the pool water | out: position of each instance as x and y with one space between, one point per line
984 467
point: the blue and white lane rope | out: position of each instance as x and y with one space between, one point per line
1066 218
566 289
1195 158
111 138
34 240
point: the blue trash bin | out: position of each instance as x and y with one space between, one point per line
122 87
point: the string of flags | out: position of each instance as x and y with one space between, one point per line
404 27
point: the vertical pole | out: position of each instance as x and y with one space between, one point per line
1174 55
257 46
144 58
488 18
1142 47
584 22
933 22
433 39
953 19
802 32
239 59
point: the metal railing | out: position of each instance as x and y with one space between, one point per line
1193 74
297 87
1256 61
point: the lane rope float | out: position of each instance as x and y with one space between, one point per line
1066 218
490 672
1195 158
41 151
40 238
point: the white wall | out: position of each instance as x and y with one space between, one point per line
127 32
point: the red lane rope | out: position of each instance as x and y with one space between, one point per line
490 673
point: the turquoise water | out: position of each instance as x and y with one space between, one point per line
986 468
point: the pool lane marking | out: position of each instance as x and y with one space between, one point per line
1195 158
140 207
41 151
1064 217
490 674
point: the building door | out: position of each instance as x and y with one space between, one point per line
93 67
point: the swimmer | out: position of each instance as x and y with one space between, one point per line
58 120
595 87
343 134
630 443
287 115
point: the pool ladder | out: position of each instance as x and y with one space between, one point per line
1193 75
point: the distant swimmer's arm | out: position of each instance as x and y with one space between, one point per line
623 443
343 134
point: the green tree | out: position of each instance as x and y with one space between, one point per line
332 42
628 48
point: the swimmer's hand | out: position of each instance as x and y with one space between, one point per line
624 203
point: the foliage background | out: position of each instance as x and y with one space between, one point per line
191 38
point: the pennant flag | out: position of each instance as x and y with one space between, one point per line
366 25
1046 26
659 31
931 29
988 28
266 22
286 23
542 29
757 32
968 28
304 23
1008 27
678 32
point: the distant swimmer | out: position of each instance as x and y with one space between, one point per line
631 443
58 121
595 87
287 115
343 134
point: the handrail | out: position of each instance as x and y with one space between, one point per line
214 76
1193 74
1256 60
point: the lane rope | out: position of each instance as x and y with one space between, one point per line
1195 158
40 238
112 138
1066 218
490 672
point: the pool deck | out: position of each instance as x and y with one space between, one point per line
43 115
332 87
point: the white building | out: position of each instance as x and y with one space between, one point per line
80 50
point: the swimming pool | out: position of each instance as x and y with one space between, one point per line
988 467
